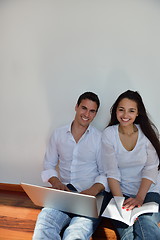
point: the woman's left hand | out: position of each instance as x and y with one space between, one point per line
131 203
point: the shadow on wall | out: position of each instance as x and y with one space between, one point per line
116 82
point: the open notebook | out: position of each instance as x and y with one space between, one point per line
71 202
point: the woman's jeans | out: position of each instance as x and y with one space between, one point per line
51 222
145 227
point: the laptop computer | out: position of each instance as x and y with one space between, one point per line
71 202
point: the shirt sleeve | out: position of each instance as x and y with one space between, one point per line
101 178
109 159
150 170
50 160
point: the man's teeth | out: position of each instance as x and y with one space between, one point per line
85 119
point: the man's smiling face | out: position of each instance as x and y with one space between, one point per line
85 112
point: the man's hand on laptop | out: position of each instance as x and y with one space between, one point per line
57 184
94 189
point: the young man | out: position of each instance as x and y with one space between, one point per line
75 148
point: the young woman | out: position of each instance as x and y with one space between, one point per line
131 157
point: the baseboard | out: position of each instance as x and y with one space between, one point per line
11 187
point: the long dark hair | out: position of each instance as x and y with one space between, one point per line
147 126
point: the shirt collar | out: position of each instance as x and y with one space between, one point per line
69 128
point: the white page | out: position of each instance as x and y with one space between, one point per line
123 212
150 207
112 212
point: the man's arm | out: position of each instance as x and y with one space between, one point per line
50 160
94 189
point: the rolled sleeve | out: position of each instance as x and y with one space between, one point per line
109 157
103 180
50 160
47 174
150 170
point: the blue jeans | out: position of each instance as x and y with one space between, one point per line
52 222
146 227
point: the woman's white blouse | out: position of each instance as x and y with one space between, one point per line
129 167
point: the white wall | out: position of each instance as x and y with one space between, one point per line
51 51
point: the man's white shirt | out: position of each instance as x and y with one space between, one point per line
79 163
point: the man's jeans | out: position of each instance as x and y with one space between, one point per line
146 226
51 222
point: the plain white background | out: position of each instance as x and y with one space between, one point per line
51 51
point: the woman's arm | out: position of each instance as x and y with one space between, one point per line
150 171
130 203
115 187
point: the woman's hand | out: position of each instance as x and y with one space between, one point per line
131 203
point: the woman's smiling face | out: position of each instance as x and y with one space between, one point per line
126 112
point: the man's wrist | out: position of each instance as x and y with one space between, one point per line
53 180
98 187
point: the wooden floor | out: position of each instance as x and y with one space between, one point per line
18 216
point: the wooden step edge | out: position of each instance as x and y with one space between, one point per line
11 187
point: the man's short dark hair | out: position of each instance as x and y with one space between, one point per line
91 96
